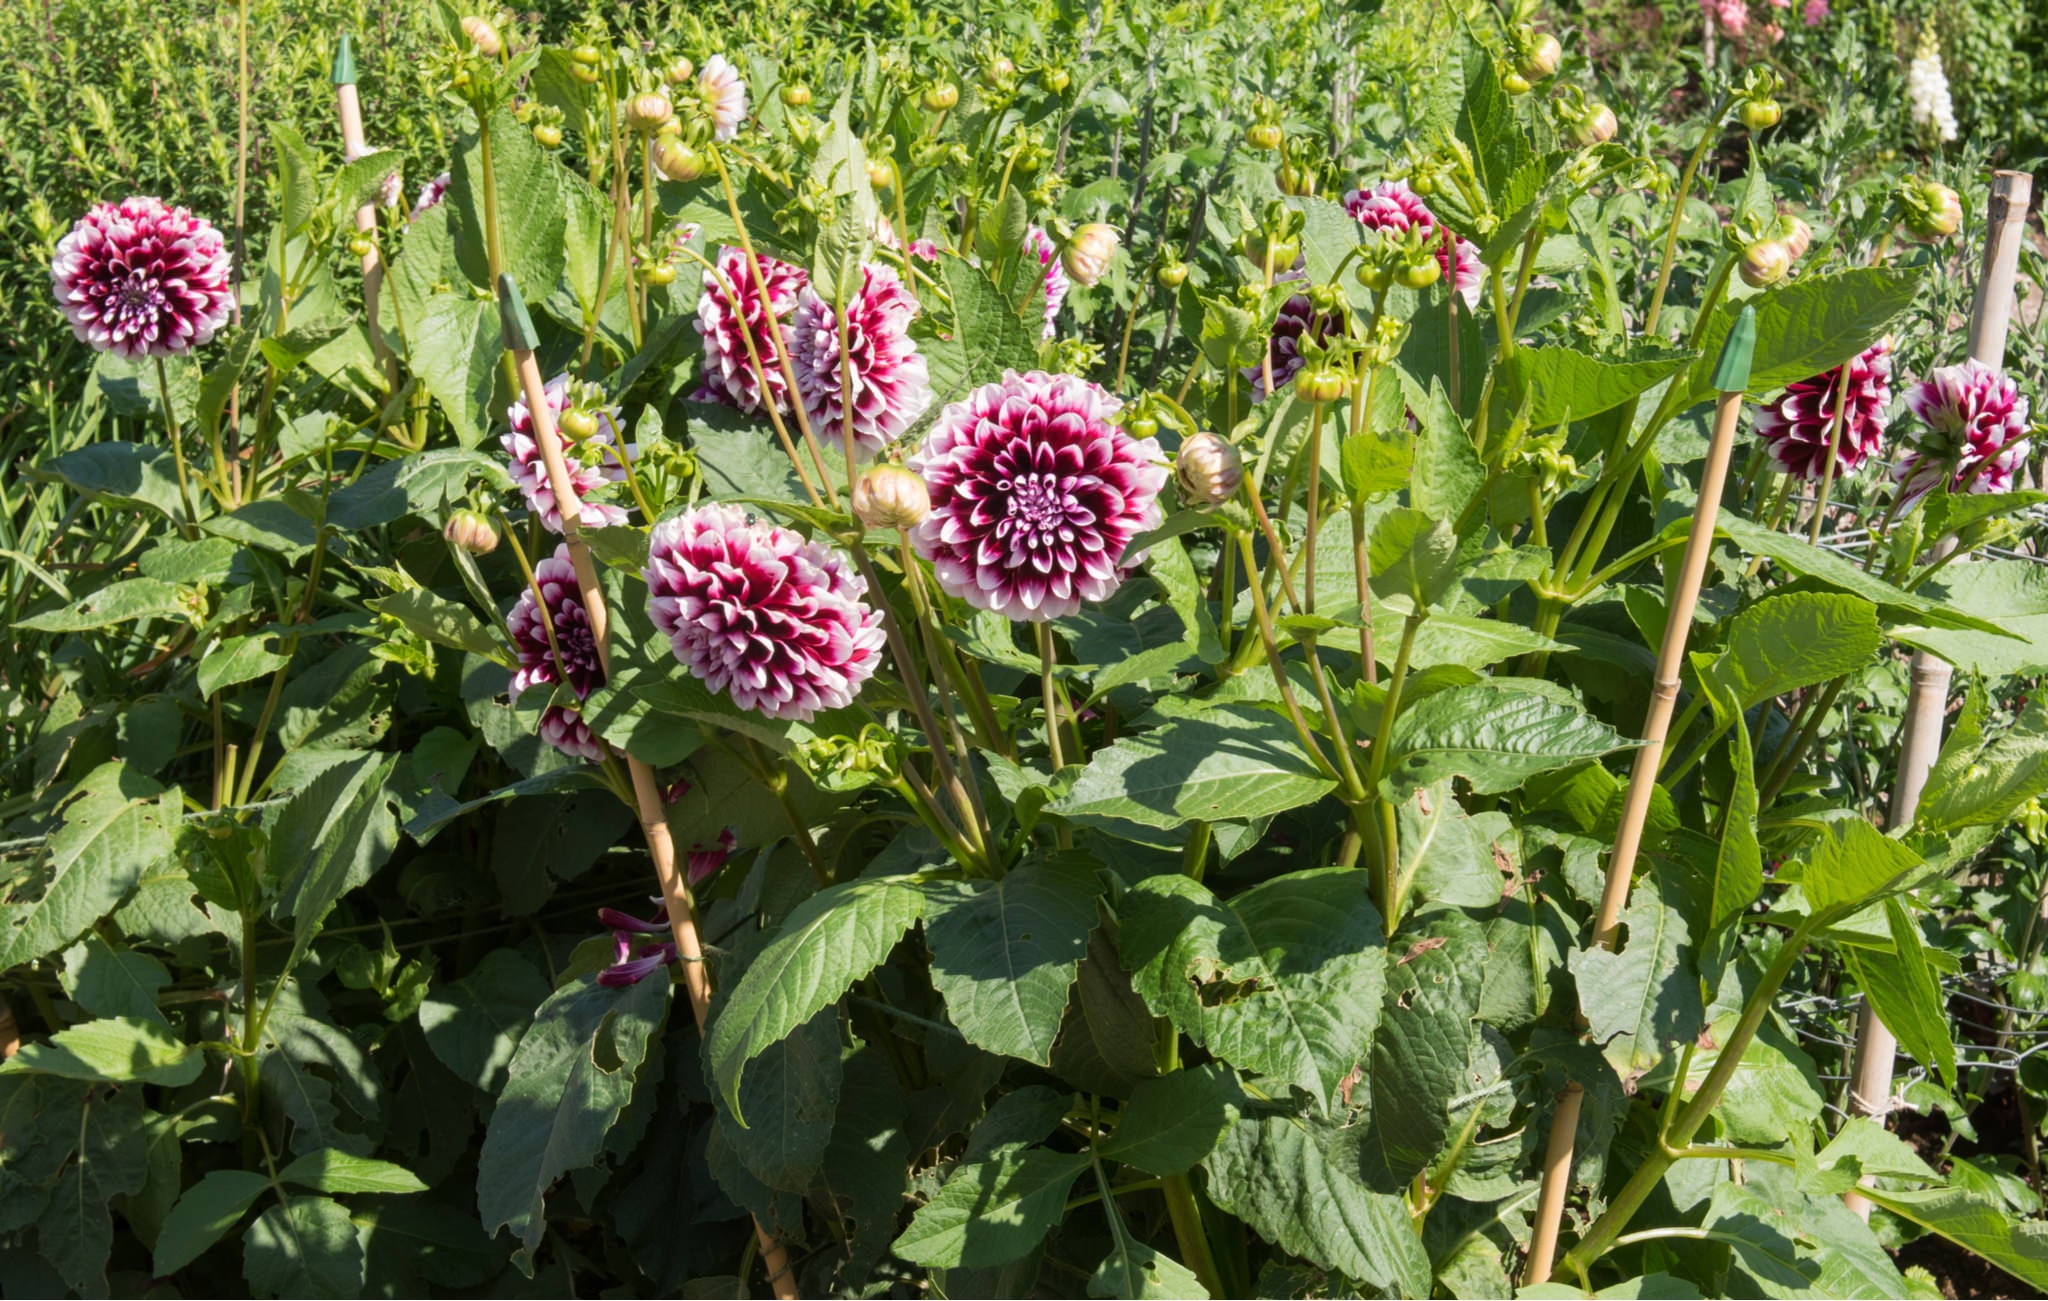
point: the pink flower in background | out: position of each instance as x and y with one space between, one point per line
1814 12
142 280
1732 15
700 863
1796 425
635 958
755 611
725 96
1393 208
726 320
1035 495
1974 435
530 472
889 383
431 195
1056 286
1297 319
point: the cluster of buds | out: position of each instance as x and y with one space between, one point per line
1931 210
999 75
1758 105
1273 242
1767 257
940 97
1537 55
1056 79
1265 133
842 763
1207 470
586 62
1587 122
1297 175
545 121
1386 259
794 94
1545 459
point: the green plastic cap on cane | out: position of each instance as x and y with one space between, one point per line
1731 373
345 61
517 323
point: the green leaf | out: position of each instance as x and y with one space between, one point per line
989 335
303 1248
829 941
1447 468
1284 979
207 1210
1171 1123
990 1212
106 981
282 524
1738 859
789 1097
1843 575
473 1023
331 837
238 660
298 179
1560 384
1492 735
114 830
2011 597
130 475
454 349
1793 640
75 1233
331 1171
1980 785
1294 1182
1413 555
1904 993
116 603
439 619
571 1076
1649 990
533 211
115 1050
1811 325
2019 1247
1005 955
1135 1271
1203 764
1850 863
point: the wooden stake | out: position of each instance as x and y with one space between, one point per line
1870 1089
1731 377
353 147
520 339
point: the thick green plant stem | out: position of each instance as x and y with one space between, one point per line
190 527
1189 1233
1677 1145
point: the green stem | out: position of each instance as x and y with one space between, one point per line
190 528
1685 179
1188 1232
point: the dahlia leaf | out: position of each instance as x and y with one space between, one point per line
1648 990
528 178
304 1247
1005 956
1789 641
1826 567
1283 980
1492 734
1563 384
1175 1120
1979 785
1904 993
117 827
991 1212
789 1099
1235 761
1809 326
828 942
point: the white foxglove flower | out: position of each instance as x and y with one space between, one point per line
1927 96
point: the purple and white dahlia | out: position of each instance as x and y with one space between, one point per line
756 611
142 280
1035 495
726 320
430 198
889 385
1297 319
592 463
1797 424
1036 241
1393 208
577 664
1975 433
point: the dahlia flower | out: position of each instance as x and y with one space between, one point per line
755 611
1797 424
431 195
700 862
1297 319
1035 495
725 96
634 958
1927 97
1393 208
578 664
142 280
1038 242
592 463
1975 435
564 729
725 320
889 383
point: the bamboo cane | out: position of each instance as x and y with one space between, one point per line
1731 377
520 340
1870 1090
353 147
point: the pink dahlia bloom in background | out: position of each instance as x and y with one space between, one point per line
1814 12
1298 318
755 611
725 96
1975 433
726 320
431 195
1393 208
889 384
539 666
1035 495
1732 15
884 232
1056 285
531 473
1796 425
142 280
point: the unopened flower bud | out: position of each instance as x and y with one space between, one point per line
941 96
1088 253
890 497
470 532
1596 127
483 35
1765 263
1932 210
1798 238
1208 471
676 160
648 111
1543 56
795 95
998 72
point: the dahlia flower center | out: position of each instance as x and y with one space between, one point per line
579 648
1043 509
138 294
